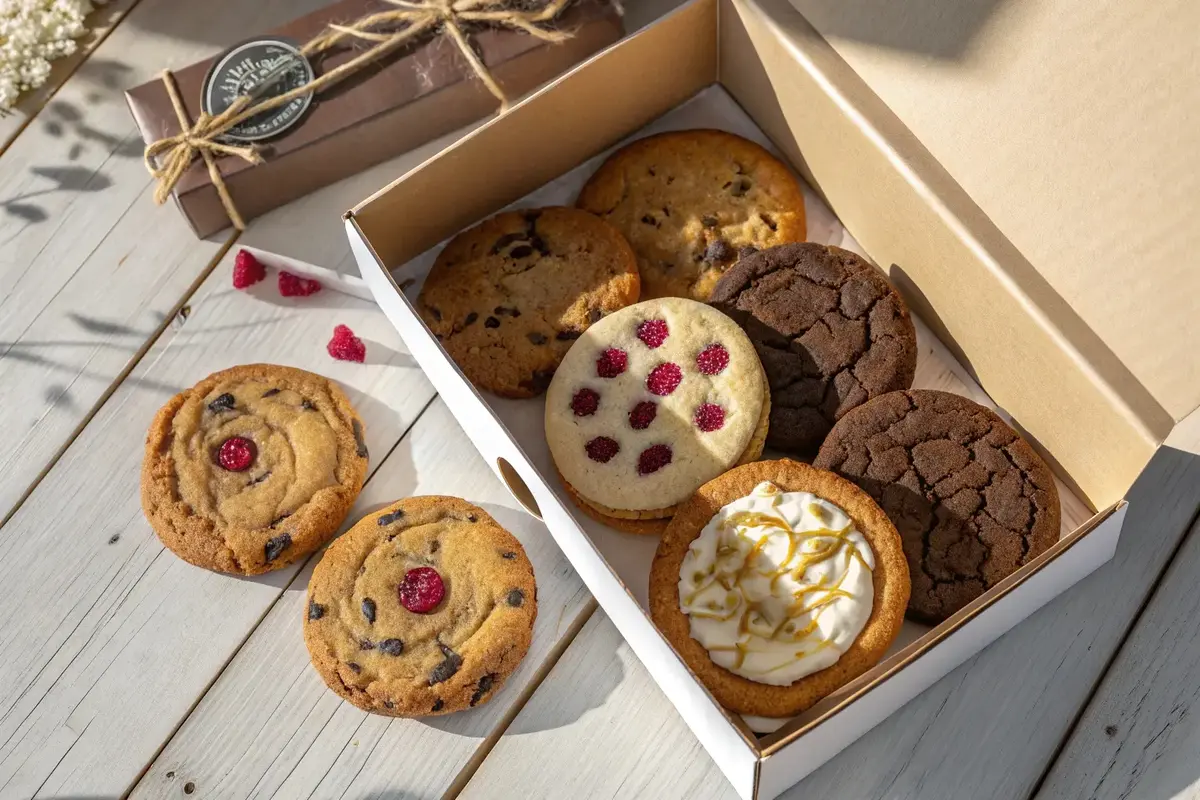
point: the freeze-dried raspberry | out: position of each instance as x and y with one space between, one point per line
247 270
641 415
236 454
653 332
712 359
585 402
421 590
664 378
653 459
709 417
611 363
294 286
602 449
345 346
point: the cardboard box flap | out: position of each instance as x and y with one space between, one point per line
1084 154
1024 345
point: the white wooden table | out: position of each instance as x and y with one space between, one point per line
126 671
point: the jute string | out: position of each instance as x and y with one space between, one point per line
168 158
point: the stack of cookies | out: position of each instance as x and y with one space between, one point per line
677 322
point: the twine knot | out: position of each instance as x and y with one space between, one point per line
168 158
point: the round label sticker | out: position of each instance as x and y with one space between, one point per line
264 67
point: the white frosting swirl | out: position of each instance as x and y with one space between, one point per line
777 585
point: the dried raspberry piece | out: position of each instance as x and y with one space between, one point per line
664 378
247 270
611 363
236 454
653 459
421 590
712 359
709 417
641 415
602 449
345 346
294 286
653 332
585 402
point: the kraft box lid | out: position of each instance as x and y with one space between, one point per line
1074 128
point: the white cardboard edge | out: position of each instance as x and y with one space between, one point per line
737 761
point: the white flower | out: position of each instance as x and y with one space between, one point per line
32 34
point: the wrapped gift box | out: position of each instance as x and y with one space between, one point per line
390 107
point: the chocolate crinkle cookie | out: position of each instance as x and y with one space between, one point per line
972 501
830 330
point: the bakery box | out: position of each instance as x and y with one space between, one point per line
988 328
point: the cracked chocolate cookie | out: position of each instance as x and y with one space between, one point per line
691 203
507 297
830 330
422 608
972 501
252 468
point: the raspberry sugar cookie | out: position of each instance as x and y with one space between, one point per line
651 403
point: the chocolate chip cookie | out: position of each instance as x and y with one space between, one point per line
778 583
507 297
691 203
652 402
422 608
830 330
252 468
972 501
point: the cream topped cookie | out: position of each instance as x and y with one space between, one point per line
777 585
653 401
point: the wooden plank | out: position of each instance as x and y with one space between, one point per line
1138 736
988 729
270 727
100 23
89 268
109 639
598 726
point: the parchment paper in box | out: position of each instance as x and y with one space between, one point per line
629 555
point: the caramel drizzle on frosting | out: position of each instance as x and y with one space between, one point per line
827 545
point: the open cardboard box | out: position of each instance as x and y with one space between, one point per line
988 327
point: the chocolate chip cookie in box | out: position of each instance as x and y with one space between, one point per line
353 84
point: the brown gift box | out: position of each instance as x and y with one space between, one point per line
390 107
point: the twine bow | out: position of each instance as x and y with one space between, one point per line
168 158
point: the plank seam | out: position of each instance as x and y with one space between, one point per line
1192 528
543 671
266 612
120 377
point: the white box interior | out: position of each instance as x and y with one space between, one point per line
630 555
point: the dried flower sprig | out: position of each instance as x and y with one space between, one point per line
32 34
